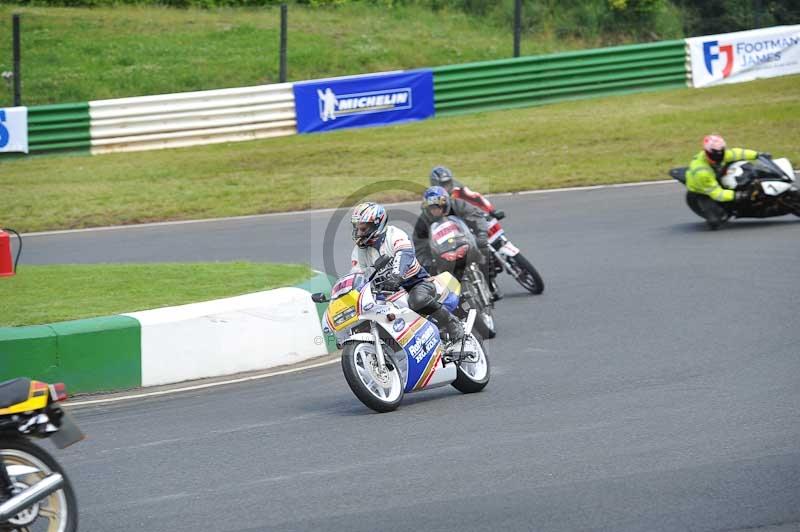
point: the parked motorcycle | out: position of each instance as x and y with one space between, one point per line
35 493
454 250
775 181
508 258
390 350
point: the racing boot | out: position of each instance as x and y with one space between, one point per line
448 323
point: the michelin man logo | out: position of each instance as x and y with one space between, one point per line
327 104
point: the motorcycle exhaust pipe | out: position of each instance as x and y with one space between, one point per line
30 496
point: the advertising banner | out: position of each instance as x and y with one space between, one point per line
363 101
745 55
14 129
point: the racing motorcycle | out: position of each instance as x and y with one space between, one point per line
508 257
35 493
773 180
454 250
390 350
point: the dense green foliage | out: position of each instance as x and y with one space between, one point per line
119 48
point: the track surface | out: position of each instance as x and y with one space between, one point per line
654 386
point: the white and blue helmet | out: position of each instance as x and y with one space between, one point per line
369 223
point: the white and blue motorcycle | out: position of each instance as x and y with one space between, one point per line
389 350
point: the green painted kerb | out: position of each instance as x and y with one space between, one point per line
87 355
28 352
321 282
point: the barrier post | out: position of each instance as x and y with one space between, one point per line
17 60
284 27
517 25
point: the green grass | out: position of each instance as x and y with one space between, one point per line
46 294
607 140
80 54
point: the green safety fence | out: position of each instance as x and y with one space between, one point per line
59 127
535 80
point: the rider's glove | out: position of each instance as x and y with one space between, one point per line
498 214
766 154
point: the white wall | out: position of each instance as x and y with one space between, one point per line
226 336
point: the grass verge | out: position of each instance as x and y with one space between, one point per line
46 294
82 54
606 140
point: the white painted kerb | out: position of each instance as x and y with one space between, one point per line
227 336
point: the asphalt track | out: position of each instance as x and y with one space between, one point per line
655 385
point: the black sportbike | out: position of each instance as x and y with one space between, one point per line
771 183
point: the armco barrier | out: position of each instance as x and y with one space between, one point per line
59 127
536 80
246 113
250 332
190 118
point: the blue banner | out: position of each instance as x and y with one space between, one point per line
363 101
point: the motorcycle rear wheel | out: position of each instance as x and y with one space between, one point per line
359 365
527 276
473 377
58 511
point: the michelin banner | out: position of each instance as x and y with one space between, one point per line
363 101
745 55
14 129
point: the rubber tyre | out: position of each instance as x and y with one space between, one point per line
25 446
537 284
464 383
357 386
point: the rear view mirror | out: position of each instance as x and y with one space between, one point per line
319 297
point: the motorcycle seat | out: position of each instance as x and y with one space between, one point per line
14 391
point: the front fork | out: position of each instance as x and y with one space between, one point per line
378 347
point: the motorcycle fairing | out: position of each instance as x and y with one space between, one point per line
775 188
423 347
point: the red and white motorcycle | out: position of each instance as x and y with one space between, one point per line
508 257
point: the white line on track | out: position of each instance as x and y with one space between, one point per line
322 211
198 386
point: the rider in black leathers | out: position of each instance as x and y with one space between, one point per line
472 216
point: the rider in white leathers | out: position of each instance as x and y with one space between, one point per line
374 238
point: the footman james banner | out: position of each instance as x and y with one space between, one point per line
745 55
361 101
14 129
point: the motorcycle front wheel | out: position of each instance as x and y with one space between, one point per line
380 391
473 373
58 512
526 274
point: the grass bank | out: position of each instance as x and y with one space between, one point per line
46 294
609 140
81 54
